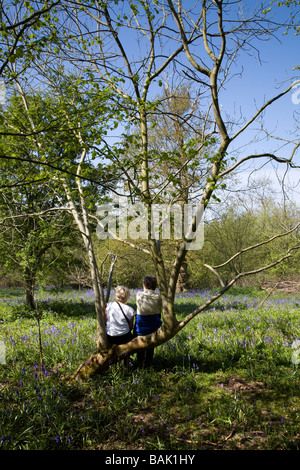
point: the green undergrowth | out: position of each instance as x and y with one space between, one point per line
227 381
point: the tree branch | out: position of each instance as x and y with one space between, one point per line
257 245
262 108
231 283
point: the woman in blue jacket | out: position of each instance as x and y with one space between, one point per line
148 317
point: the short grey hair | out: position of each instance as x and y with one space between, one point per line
122 293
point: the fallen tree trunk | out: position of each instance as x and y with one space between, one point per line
101 359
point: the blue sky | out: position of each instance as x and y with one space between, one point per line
258 83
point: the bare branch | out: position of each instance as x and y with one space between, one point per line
258 245
216 274
261 109
231 283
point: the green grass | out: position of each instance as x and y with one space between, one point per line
226 381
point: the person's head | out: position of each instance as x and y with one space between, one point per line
122 294
150 282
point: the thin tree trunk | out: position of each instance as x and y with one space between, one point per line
83 225
38 318
182 284
30 300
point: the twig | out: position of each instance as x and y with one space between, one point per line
39 336
188 441
114 259
231 434
257 245
268 295
216 273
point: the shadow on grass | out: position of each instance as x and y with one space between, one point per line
177 363
54 308
181 310
9 292
68 309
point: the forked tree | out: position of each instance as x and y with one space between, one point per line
130 47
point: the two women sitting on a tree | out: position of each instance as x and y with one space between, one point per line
120 317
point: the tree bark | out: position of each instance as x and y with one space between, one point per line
102 359
30 296
182 284
29 286
83 225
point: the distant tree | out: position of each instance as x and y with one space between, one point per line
178 131
31 219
